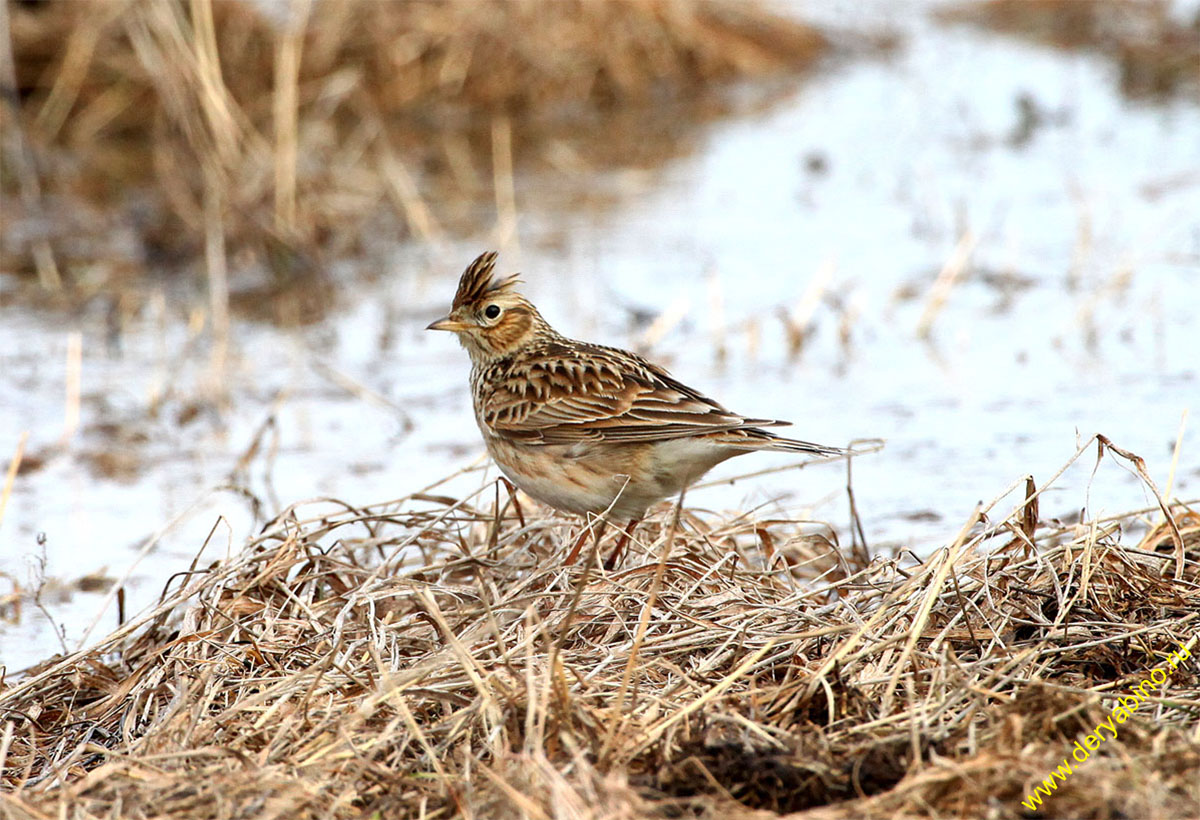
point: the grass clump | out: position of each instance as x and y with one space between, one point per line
1155 53
151 134
431 657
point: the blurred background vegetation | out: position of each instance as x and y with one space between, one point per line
144 136
169 137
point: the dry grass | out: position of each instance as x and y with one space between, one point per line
432 658
1155 54
152 134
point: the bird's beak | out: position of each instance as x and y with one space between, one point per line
446 323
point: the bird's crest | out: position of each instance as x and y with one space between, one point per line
478 281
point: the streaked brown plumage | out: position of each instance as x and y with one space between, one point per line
582 427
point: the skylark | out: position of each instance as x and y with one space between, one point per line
585 428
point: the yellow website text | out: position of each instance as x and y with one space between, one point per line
1106 730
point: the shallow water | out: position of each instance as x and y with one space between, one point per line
1076 314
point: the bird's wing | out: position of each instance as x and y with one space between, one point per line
580 392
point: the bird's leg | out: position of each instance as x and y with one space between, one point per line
597 531
512 496
621 542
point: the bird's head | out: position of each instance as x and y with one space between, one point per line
488 315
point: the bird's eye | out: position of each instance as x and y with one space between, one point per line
491 311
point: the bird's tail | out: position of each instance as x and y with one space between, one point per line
793 445
756 438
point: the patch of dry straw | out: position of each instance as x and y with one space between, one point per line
1154 51
143 132
431 657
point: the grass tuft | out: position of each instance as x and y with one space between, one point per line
305 130
428 657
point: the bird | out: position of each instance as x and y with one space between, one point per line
585 428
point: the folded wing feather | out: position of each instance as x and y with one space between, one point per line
585 393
